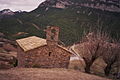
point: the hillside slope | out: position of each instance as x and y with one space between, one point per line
72 19
45 74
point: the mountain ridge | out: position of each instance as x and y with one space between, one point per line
105 5
72 20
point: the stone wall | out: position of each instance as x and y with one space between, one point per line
44 57
20 57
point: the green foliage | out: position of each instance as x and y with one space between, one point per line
72 22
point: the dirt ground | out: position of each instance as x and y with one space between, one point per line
45 74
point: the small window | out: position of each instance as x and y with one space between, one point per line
50 53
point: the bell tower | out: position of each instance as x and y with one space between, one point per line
52 35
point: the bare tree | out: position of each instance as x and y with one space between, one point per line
98 44
92 48
111 56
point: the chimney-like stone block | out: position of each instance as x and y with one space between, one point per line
52 35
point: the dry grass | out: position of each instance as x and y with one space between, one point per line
45 74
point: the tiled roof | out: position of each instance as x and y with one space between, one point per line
30 43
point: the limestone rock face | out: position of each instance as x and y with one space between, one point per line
105 5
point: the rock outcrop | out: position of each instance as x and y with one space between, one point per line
7 61
8 53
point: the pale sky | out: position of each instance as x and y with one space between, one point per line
24 5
